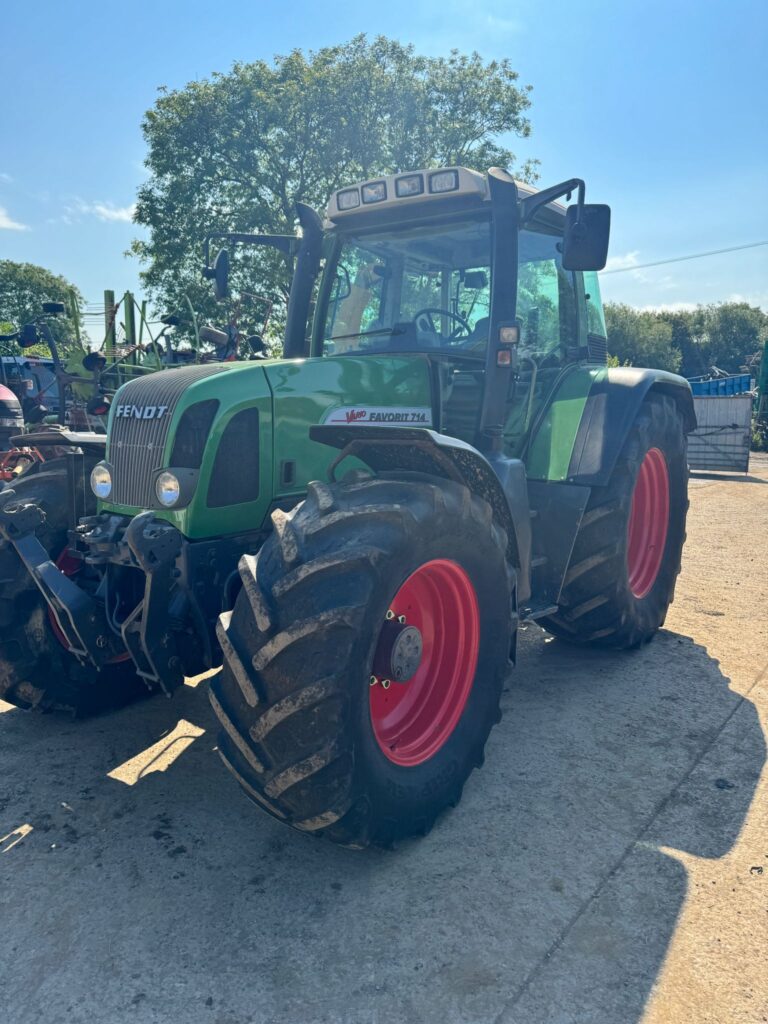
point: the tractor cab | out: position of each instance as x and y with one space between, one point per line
415 264
490 281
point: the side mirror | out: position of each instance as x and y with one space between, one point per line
585 240
219 274
53 307
475 280
28 336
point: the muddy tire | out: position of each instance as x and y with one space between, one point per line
36 671
305 733
626 558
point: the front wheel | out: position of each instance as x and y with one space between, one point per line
365 656
626 557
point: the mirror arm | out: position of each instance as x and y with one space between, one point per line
288 244
531 204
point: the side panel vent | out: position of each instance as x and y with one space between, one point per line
597 348
235 476
194 427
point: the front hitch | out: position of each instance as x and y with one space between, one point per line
81 619
155 546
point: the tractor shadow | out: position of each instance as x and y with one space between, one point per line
148 886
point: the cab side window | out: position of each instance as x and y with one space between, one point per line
546 298
356 299
595 315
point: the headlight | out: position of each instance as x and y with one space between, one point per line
167 489
410 185
376 192
348 200
101 480
444 181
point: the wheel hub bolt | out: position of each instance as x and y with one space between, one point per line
398 652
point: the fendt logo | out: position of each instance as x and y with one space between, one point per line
141 412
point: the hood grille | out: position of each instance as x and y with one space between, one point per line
136 446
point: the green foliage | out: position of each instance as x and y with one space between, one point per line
236 151
727 335
640 338
759 436
24 287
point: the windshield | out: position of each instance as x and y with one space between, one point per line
411 289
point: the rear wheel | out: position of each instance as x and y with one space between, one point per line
36 669
626 558
365 656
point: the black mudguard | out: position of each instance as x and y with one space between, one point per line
610 411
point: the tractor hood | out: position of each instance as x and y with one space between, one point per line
237 434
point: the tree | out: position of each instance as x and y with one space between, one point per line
236 151
24 287
730 333
686 337
640 338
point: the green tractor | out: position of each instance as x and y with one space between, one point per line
357 529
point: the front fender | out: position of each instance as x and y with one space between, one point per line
418 450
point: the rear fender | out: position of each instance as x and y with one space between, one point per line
417 450
612 407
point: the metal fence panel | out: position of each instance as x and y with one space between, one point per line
722 438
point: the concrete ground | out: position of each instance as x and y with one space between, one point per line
609 864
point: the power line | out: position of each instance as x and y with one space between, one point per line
681 259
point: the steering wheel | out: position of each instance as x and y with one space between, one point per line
455 335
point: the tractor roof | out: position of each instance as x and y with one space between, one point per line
393 191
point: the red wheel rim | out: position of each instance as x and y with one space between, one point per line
414 719
71 567
648 522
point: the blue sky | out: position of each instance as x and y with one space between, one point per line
661 107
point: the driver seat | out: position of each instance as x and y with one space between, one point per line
479 332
